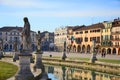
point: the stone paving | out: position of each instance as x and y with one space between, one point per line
83 55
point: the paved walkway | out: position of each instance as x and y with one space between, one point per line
83 55
59 54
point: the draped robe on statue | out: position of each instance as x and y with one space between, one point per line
26 39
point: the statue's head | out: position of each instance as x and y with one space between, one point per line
38 32
25 19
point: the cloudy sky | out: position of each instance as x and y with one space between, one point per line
46 15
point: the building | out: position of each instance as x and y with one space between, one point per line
11 34
106 42
83 37
60 37
47 39
115 48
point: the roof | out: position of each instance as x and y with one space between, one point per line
116 23
93 26
9 28
78 27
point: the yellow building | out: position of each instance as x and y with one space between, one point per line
83 38
116 37
106 38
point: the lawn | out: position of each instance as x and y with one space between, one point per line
7 70
87 59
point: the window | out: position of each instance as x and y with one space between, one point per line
86 31
6 39
98 30
6 33
81 32
86 39
98 39
76 33
78 40
0 33
90 38
10 38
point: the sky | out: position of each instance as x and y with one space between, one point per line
46 15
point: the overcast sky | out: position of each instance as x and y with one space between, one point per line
46 15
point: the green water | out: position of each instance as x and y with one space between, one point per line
67 73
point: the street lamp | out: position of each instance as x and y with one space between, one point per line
1 48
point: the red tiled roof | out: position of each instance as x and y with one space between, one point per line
98 25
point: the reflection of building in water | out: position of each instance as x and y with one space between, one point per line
66 73
90 75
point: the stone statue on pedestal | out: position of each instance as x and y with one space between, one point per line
93 57
38 41
64 52
15 56
26 39
24 72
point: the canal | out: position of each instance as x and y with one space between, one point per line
68 73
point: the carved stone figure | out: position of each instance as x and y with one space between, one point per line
26 39
15 46
38 40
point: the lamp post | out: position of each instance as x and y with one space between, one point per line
1 48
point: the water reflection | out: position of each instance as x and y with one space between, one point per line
67 73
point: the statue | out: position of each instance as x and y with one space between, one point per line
15 46
38 41
26 39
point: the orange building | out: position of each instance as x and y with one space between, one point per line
83 37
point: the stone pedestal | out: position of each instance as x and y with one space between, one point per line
1 54
24 72
38 60
93 58
15 56
64 56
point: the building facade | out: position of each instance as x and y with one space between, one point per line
115 48
60 36
47 40
11 34
84 36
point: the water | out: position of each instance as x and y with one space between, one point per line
67 73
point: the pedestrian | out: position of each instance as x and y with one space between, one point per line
104 54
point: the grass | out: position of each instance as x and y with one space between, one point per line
87 59
109 61
7 70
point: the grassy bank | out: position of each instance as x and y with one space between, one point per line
87 59
7 70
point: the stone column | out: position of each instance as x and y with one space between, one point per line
38 60
93 58
1 54
15 56
24 72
